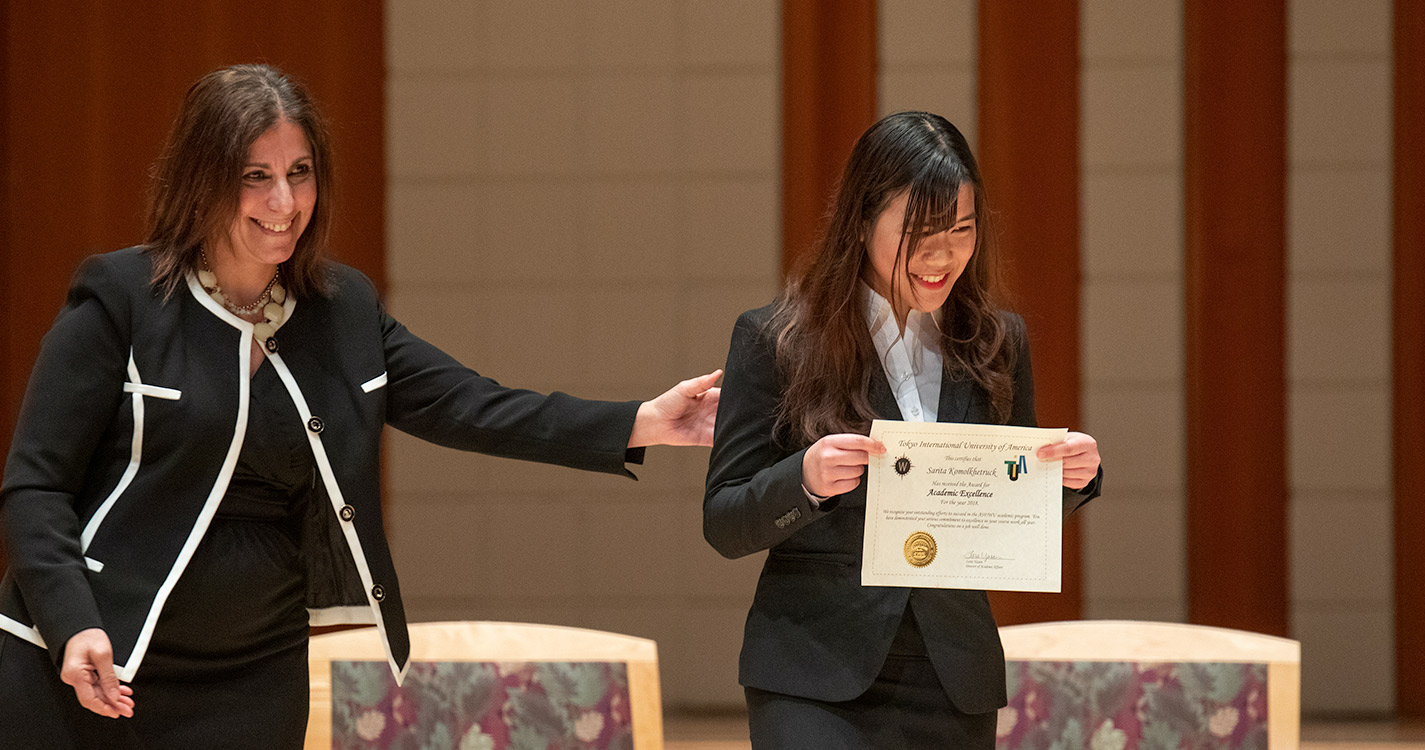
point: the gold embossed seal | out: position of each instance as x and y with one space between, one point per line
920 549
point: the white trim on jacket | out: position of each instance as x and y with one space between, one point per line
135 454
348 530
220 485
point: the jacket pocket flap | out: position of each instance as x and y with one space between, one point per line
156 391
374 383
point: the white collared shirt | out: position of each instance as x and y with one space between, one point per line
912 359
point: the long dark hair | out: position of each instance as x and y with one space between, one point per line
193 194
825 356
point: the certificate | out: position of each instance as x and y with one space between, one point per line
963 506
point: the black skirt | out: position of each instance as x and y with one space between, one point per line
906 707
227 664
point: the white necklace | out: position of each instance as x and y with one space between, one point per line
270 302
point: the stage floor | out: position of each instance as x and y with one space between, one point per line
729 732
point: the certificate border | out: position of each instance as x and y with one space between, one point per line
990 579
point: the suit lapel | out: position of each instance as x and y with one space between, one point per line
883 401
955 395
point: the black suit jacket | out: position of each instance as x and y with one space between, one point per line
813 629
136 412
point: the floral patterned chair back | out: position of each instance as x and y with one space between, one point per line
1122 685
486 686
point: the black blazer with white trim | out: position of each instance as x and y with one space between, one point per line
813 630
136 412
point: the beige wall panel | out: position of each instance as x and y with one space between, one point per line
937 33
730 122
1339 112
617 324
1141 347
633 33
528 230
1339 28
583 197
726 232
526 35
443 224
1338 330
634 544
433 35
435 126
928 54
1130 30
1339 350
525 332
1336 432
1099 608
707 315
736 33
1141 429
1132 117
1339 221
1339 550
448 317
1132 341
628 123
1134 221
1126 536
1346 660
633 228
533 126
948 92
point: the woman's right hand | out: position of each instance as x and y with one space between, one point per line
834 464
89 669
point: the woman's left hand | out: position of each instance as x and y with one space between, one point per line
683 415
1079 452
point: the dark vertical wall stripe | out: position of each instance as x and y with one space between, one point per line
1029 76
1235 188
829 66
1409 357
88 98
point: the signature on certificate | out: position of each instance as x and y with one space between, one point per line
973 556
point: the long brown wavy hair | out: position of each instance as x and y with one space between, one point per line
825 356
193 193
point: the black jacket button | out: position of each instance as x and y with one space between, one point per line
378 593
347 513
271 344
316 425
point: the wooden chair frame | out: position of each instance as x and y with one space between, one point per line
494 642
1134 641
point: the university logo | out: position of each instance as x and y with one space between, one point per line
1015 468
902 465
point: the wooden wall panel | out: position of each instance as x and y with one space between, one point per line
89 91
1029 154
1235 215
1409 357
829 64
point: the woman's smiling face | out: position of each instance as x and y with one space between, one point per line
277 197
939 260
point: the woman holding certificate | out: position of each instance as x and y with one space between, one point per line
893 316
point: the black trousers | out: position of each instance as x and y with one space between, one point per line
905 708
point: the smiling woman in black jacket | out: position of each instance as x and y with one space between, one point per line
894 316
194 477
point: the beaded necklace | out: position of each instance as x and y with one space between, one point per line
269 302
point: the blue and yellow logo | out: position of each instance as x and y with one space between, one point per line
1015 467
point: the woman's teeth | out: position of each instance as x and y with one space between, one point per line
274 227
931 279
